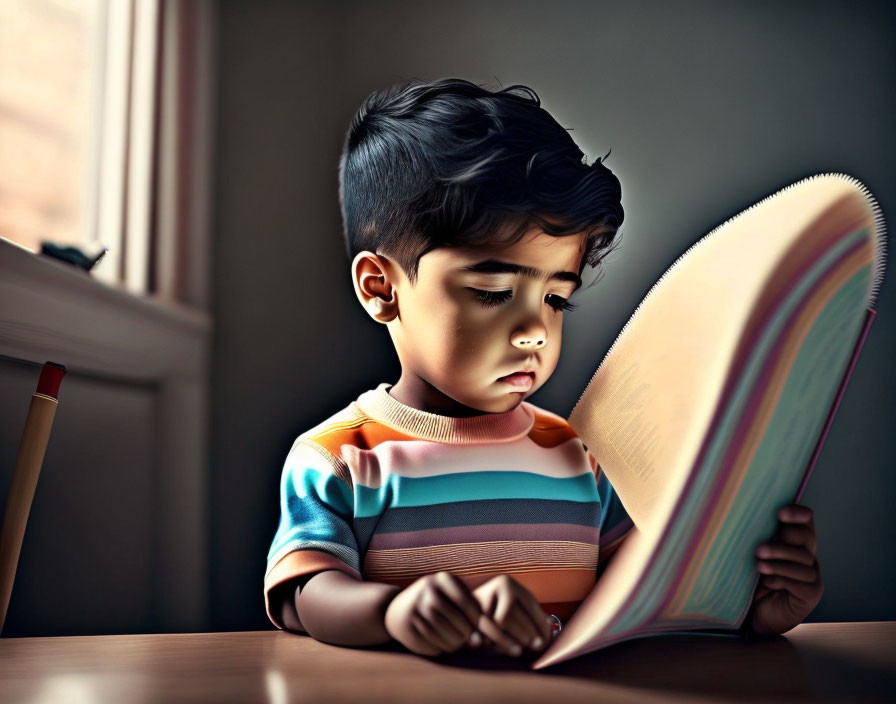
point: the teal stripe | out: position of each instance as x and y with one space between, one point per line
404 492
322 485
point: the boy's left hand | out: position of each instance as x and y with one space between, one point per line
790 586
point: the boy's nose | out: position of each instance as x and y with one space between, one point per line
528 341
529 332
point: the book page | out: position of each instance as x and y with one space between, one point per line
647 411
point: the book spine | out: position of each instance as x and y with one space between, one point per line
869 317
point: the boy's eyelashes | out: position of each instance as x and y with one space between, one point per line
490 299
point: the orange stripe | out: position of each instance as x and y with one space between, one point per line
549 430
299 562
548 586
558 585
364 434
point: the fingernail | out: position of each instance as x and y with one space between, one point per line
537 642
475 639
516 650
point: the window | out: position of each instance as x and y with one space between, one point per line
105 136
50 85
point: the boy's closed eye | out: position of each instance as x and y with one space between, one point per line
490 299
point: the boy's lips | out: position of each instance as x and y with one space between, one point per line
520 380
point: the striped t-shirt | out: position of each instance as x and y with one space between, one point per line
388 493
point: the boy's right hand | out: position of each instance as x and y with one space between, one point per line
516 612
437 614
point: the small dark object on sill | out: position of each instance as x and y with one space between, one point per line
71 255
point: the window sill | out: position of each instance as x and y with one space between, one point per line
53 311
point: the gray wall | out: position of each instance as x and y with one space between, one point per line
707 107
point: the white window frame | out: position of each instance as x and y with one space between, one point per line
120 188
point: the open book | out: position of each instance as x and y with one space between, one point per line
709 410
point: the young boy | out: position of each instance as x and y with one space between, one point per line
445 511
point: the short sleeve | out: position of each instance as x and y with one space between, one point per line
315 530
615 522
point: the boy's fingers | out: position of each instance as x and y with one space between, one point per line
524 602
475 639
532 630
798 535
807 593
448 630
536 641
794 513
517 624
447 609
514 617
538 617
458 593
784 551
792 570
431 634
502 640
425 645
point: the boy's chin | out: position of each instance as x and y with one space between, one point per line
498 399
504 403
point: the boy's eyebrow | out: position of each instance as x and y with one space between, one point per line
493 266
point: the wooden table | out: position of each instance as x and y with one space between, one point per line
815 661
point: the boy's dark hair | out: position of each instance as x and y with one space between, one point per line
449 163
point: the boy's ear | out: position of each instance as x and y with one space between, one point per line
373 276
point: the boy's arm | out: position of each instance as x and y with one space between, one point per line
314 536
336 608
283 600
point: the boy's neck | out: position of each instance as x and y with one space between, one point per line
417 393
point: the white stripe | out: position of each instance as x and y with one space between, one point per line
423 458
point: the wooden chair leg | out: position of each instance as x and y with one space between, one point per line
29 460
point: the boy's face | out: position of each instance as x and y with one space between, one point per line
465 324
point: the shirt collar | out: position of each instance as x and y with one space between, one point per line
489 427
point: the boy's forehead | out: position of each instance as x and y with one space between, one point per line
548 258
533 250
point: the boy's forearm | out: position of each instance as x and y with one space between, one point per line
336 608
